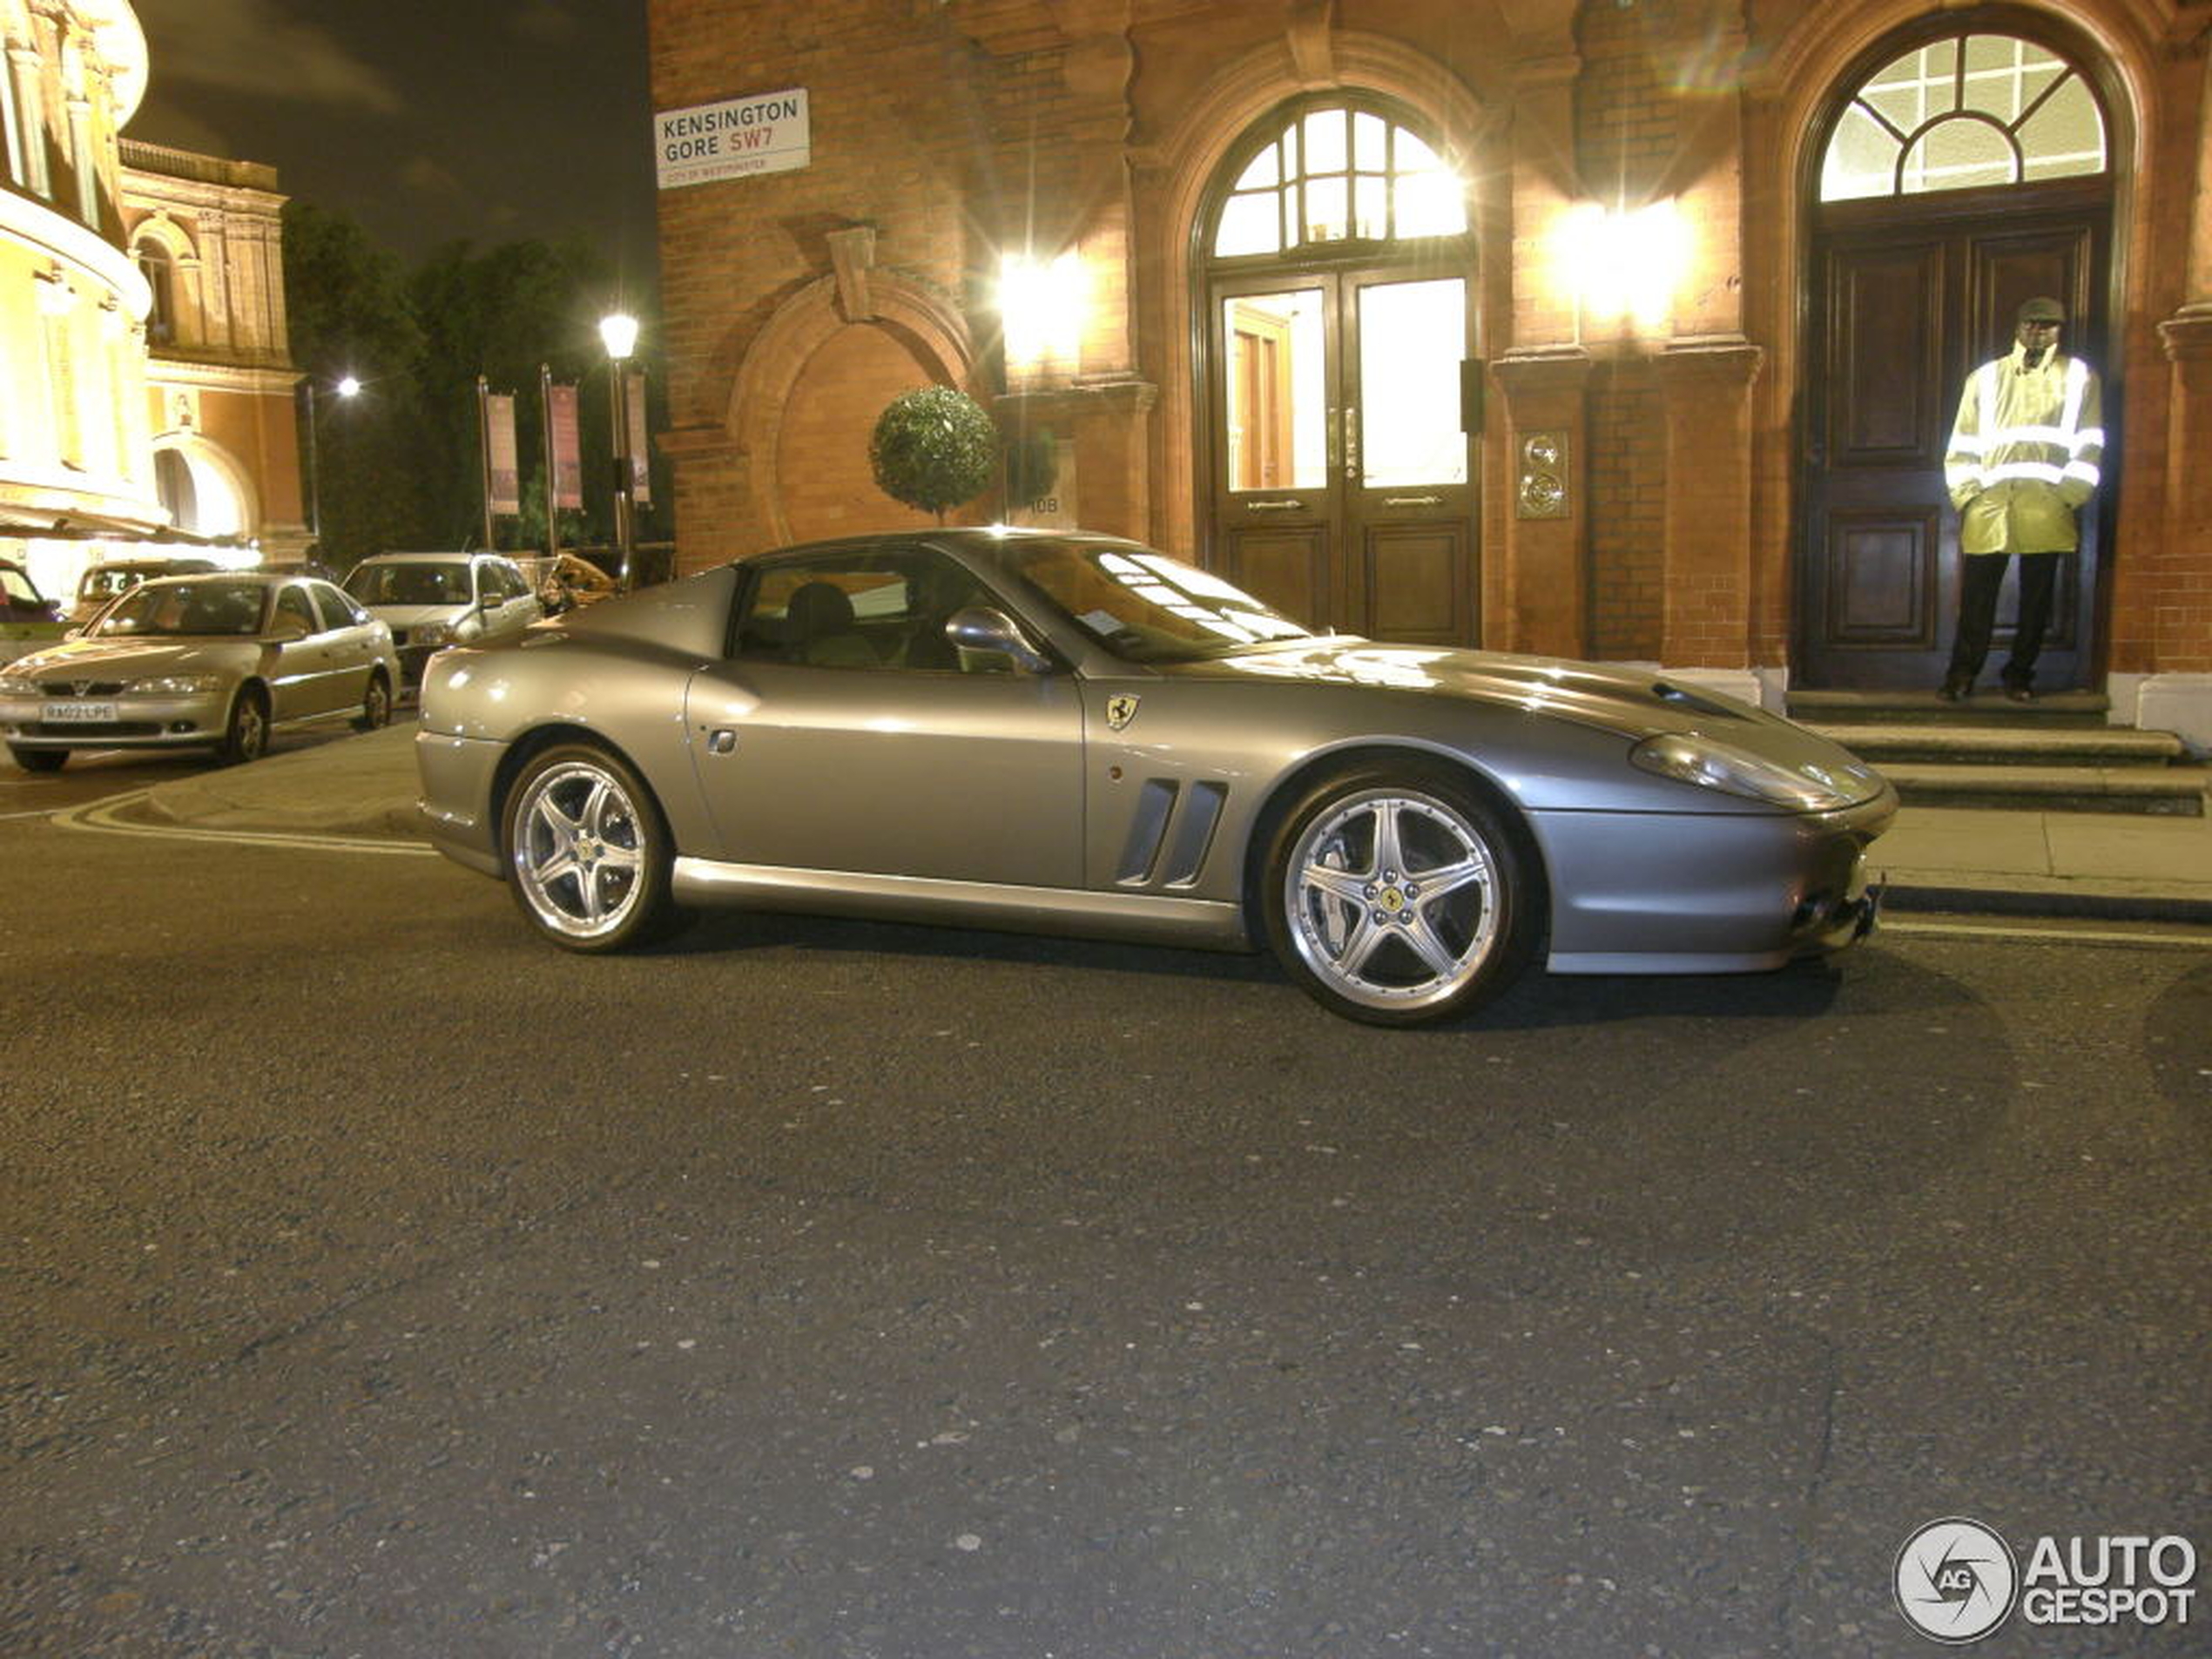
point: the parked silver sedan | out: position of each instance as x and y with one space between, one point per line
1076 734
222 660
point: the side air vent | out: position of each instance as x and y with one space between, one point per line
1170 833
1193 838
1148 828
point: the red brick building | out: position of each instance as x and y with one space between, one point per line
1630 329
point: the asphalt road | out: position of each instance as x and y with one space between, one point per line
375 1280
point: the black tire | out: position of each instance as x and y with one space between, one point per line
39 759
589 857
1400 895
376 705
246 734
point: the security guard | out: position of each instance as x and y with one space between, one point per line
2024 457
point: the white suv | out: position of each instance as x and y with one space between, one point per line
432 600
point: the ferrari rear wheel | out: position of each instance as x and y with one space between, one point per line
589 855
1401 897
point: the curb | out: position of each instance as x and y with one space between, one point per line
2020 901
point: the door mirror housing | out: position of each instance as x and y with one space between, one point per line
981 628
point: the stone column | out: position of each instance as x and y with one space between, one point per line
1707 600
1539 600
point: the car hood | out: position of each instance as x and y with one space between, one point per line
101 658
1632 703
415 615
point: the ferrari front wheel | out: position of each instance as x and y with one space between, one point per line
1401 897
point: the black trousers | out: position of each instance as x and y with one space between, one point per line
1979 577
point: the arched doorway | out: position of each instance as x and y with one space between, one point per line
205 492
1335 286
1968 169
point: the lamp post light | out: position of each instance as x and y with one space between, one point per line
618 332
345 386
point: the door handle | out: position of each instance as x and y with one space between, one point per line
1412 501
1273 506
1352 445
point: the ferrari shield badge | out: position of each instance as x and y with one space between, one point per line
1121 709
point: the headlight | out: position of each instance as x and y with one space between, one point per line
10 685
176 685
1710 765
432 633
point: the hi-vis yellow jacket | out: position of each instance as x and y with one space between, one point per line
2024 453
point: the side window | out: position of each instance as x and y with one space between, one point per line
292 601
501 582
338 611
828 613
885 609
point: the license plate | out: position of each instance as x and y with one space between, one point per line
77 713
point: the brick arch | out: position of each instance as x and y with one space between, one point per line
809 361
1180 172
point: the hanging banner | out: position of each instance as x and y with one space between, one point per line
765 133
566 448
641 480
502 473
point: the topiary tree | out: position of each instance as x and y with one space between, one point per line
933 448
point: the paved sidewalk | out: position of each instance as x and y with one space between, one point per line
2089 864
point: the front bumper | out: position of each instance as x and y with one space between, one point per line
1689 894
140 722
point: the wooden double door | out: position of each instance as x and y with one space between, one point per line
1908 297
1339 454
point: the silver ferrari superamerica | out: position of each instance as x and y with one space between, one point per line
1075 735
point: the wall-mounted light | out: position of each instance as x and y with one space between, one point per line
1042 308
1623 265
55 297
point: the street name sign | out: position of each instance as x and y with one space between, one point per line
766 132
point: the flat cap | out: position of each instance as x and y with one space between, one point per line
2042 309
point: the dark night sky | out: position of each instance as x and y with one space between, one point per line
427 120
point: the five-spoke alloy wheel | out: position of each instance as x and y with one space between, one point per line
1399 898
590 857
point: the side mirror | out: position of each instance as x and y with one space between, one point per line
981 628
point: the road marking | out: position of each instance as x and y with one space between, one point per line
101 815
2069 935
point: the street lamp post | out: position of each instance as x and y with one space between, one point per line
618 332
347 386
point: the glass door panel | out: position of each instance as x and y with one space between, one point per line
1277 384
1412 336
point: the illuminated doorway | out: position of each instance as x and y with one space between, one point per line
1339 314
1969 171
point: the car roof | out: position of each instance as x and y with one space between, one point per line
263 578
431 558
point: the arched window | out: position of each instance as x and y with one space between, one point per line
1965 112
155 266
1338 174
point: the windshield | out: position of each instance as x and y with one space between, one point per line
410 584
214 606
1147 607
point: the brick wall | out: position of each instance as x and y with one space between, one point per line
1627 474
1626 131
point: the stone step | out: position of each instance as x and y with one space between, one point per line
2168 790
2008 746
1987 705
